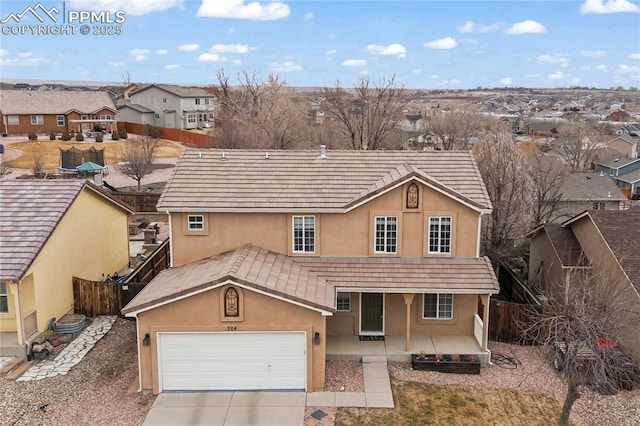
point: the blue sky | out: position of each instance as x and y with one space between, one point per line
425 44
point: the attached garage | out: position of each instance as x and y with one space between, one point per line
198 361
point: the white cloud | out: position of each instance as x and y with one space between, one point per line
231 48
3 52
189 47
416 71
611 6
117 64
602 68
286 66
434 76
236 9
211 57
330 52
236 61
232 31
630 69
507 81
470 27
585 67
364 72
634 56
162 52
24 59
557 58
574 81
354 63
527 27
139 54
25 54
390 50
470 41
593 53
172 66
453 81
308 15
443 43
137 7
558 75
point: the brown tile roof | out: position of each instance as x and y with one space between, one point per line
621 231
31 210
566 245
251 266
299 180
312 281
450 274
54 102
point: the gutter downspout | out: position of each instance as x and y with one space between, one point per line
21 313
138 350
170 239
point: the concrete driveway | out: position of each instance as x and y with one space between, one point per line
228 409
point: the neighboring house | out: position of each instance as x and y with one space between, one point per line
542 128
626 145
39 112
624 171
619 116
176 106
50 232
284 259
590 240
631 130
587 191
134 113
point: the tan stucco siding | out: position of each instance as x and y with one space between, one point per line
344 234
202 312
464 308
8 319
90 240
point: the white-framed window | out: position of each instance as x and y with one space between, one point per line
599 205
164 100
343 302
211 116
37 119
105 117
611 172
84 117
386 234
60 120
197 101
13 120
437 306
191 118
4 298
156 115
440 234
304 234
195 222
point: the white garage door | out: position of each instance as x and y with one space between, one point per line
232 361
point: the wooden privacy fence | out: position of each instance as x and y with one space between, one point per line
177 135
93 298
505 320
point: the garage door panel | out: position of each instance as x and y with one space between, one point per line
232 361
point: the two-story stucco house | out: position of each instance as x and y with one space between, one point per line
281 260
170 106
625 172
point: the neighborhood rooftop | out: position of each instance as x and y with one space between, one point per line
181 91
53 102
590 187
216 180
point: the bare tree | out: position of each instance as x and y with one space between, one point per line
37 165
586 328
370 114
547 177
504 171
137 157
579 144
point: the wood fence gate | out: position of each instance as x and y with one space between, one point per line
506 319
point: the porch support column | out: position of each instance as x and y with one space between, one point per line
485 320
408 300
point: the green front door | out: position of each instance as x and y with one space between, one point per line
372 314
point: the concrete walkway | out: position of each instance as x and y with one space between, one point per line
73 353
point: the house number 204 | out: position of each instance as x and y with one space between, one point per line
232 328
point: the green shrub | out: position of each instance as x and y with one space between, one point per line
152 131
32 137
123 133
52 136
79 137
115 136
99 137
66 136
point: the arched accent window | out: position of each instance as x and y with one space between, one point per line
231 303
412 196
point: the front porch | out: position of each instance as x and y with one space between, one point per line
393 347
9 346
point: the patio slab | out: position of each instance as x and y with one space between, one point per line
321 399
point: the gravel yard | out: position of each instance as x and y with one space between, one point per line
98 391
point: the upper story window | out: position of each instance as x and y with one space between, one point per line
195 222
37 119
198 101
343 302
438 306
599 205
386 234
440 234
14 120
164 100
304 234
60 120
4 298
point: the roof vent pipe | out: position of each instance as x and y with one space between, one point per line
224 156
200 155
601 173
266 155
609 194
323 151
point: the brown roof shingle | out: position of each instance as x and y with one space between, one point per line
30 211
566 245
244 180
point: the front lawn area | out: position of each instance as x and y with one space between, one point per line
425 404
49 151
